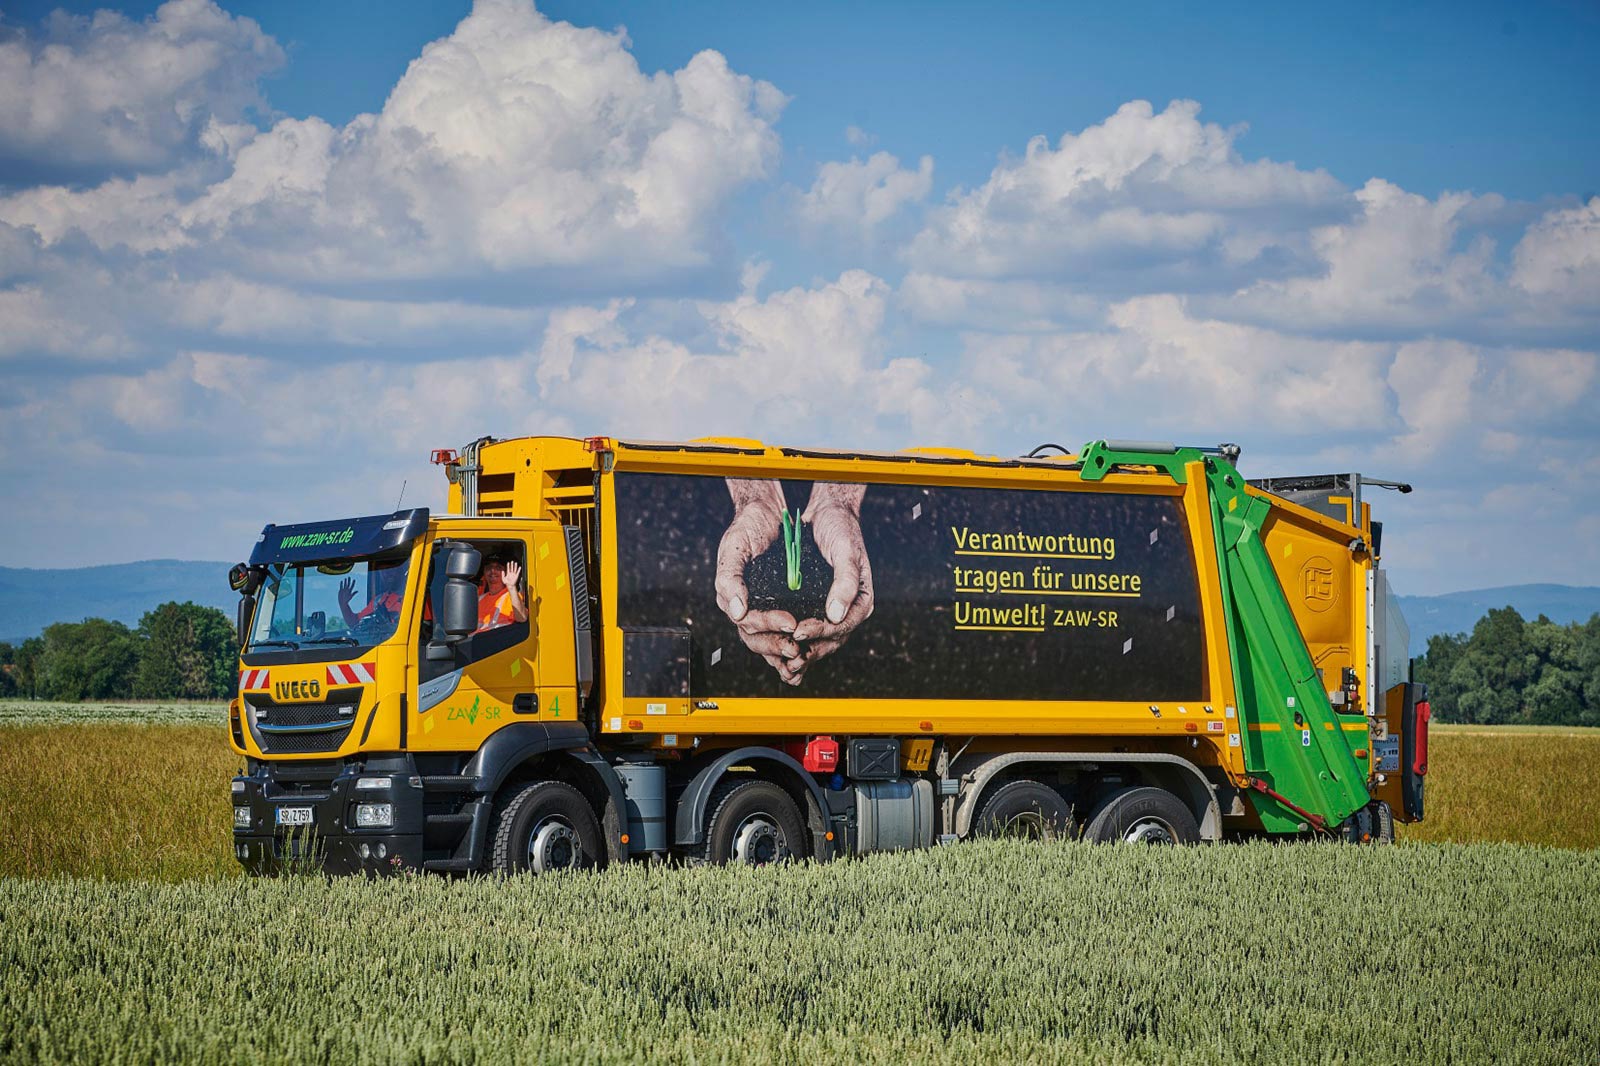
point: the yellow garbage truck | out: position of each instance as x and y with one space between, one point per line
727 651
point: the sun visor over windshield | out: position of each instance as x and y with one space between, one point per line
345 538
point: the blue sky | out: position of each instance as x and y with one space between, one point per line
1422 94
239 242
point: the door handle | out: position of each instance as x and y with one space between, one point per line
525 703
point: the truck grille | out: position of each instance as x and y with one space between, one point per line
302 728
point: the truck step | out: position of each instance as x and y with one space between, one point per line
442 820
448 865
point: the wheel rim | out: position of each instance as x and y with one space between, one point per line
759 841
554 845
1025 825
1149 831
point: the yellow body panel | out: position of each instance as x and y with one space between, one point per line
541 476
1325 583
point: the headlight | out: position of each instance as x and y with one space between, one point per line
241 817
238 787
372 782
374 815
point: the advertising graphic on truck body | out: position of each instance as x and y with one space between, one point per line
977 593
726 651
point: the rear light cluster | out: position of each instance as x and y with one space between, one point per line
1419 752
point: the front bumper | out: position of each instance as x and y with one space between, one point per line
330 842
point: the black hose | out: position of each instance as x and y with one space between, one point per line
1035 453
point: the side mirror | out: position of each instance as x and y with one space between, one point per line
245 579
459 612
247 611
463 562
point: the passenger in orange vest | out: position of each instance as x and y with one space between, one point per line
500 602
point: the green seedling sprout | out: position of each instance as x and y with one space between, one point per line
791 546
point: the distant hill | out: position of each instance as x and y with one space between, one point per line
1458 612
33 599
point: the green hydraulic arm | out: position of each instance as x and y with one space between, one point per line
1302 770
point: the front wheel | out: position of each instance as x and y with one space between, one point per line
546 826
1142 816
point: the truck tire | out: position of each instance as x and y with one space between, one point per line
1026 809
1142 816
753 822
545 826
1382 823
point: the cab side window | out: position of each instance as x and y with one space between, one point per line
502 603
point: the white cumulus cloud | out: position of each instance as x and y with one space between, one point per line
1398 264
859 196
1141 190
89 95
1559 256
516 144
803 363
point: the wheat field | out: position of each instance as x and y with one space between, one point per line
1021 952
127 933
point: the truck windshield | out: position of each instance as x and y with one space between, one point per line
347 602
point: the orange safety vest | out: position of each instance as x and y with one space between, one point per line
494 609
389 601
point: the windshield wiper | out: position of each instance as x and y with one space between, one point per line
341 639
273 643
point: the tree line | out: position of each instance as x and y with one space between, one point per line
178 651
1511 671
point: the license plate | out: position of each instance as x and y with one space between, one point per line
294 815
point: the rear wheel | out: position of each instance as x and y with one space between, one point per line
1372 824
1025 809
1382 823
755 823
546 826
1142 816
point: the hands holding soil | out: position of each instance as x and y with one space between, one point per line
791 645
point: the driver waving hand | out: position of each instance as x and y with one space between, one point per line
386 599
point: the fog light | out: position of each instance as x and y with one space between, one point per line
372 782
374 815
382 850
363 851
241 817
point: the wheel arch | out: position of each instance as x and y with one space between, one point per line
552 751
769 764
1175 774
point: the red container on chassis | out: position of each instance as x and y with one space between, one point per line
819 755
